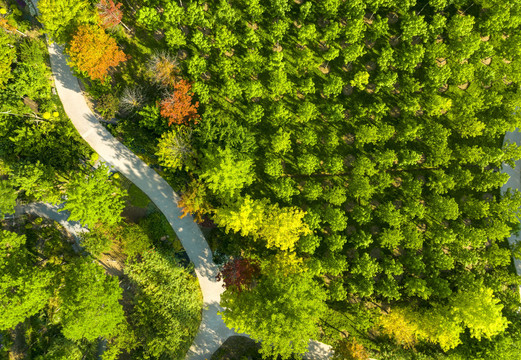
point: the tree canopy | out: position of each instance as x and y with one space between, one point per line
94 52
89 302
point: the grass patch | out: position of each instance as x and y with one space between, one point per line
137 197
160 232
154 223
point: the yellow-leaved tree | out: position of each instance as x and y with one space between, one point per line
280 227
475 308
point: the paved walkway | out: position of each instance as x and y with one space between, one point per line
50 211
514 182
212 332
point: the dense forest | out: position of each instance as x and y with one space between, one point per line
345 157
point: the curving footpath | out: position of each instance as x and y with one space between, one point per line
514 182
212 331
50 211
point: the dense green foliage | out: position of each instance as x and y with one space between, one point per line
167 306
352 148
89 305
381 120
293 301
61 17
49 290
6 58
25 288
56 303
93 198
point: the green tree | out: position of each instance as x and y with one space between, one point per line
6 58
226 171
93 196
36 181
167 306
288 303
149 18
244 216
280 227
60 17
89 302
8 197
175 149
26 285
480 311
283 227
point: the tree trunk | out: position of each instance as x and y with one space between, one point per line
19 348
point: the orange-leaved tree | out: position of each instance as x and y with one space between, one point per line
109 13
94 52
178 107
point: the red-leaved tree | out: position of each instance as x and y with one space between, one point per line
178 107
109 13
238 274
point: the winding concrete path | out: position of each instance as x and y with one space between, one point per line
514 182
212 331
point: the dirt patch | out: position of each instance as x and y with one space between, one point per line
324 68
347 67
112 266
368 18
394 41
506 81
113 261
253 26
347 90
370 66
395 112
33 105
182 54
349 139
370 88
463 86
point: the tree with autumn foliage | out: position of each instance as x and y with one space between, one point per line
178 107
238 273
349 349
109 13
94 52
193 201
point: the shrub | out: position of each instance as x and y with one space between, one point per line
107 106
